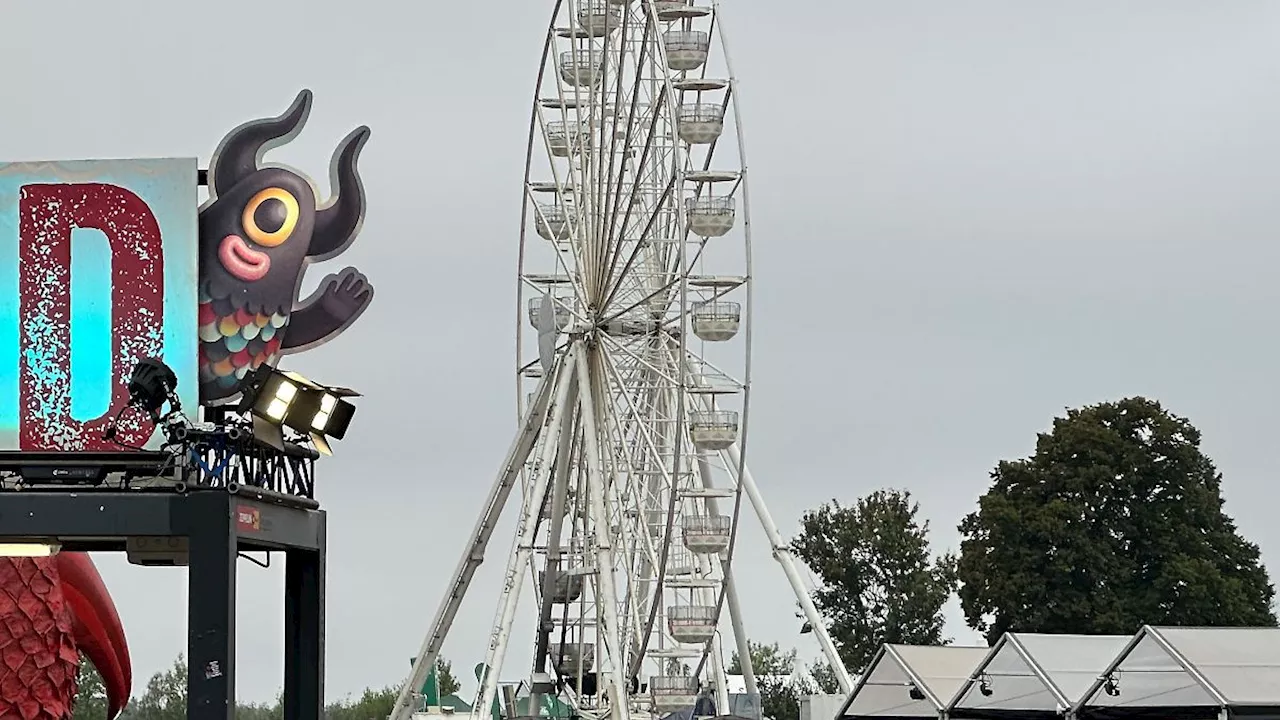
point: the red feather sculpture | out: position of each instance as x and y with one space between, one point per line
52 610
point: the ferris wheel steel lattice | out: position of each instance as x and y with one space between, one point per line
633 369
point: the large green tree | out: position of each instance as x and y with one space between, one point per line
1115 521
880 581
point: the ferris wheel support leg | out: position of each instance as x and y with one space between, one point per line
717 671
608 593
740 638
782 553
526 536
473 555
559 496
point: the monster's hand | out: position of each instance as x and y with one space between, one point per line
336 304
345 295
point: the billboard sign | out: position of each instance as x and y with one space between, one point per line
107 262
98 270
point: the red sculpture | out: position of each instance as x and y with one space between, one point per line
51 610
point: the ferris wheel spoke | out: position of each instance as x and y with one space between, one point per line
645 429
604 231
619 276
636 86
633 356
620 223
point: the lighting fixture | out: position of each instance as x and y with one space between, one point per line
29 548
151 385
281 398
1111 687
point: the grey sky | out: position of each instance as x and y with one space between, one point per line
967 217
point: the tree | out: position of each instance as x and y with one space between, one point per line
779 694
765 660
1115 521
371 705
444 676
824 677
164 699
880 582
91 694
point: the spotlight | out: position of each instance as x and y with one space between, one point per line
806 628
321 412
151 385
279 399
914 692
984 687
1111 687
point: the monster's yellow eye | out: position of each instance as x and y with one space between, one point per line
270 217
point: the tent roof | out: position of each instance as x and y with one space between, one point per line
455 702
1165 667
884 689
1030 672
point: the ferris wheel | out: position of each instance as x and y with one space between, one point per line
633 343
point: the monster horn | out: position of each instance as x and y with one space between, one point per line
338 222
242 149
96 626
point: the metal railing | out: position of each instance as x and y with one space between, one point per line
684 40
717 419
701 113
709 206
715 525
717 310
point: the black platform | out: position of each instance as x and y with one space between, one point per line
217 525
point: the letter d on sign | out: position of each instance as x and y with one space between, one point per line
48 214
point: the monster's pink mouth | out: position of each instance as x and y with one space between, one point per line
241 260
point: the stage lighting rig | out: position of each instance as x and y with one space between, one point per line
278 399
151 385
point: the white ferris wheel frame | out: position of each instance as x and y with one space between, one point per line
567 420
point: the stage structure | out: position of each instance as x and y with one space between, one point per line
142 409
633 376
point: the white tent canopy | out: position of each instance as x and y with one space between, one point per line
1165 667
897 672
1035 673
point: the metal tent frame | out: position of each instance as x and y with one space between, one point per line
910 681
1031 675
1189 673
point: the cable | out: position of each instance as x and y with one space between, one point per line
255 560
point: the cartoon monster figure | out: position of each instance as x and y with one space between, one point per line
259 231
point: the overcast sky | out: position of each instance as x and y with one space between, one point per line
968 216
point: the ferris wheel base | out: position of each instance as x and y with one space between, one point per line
565 389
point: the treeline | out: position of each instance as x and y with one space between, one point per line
166 698
1115 521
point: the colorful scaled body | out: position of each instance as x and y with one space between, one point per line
234 341
51 611
258 233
